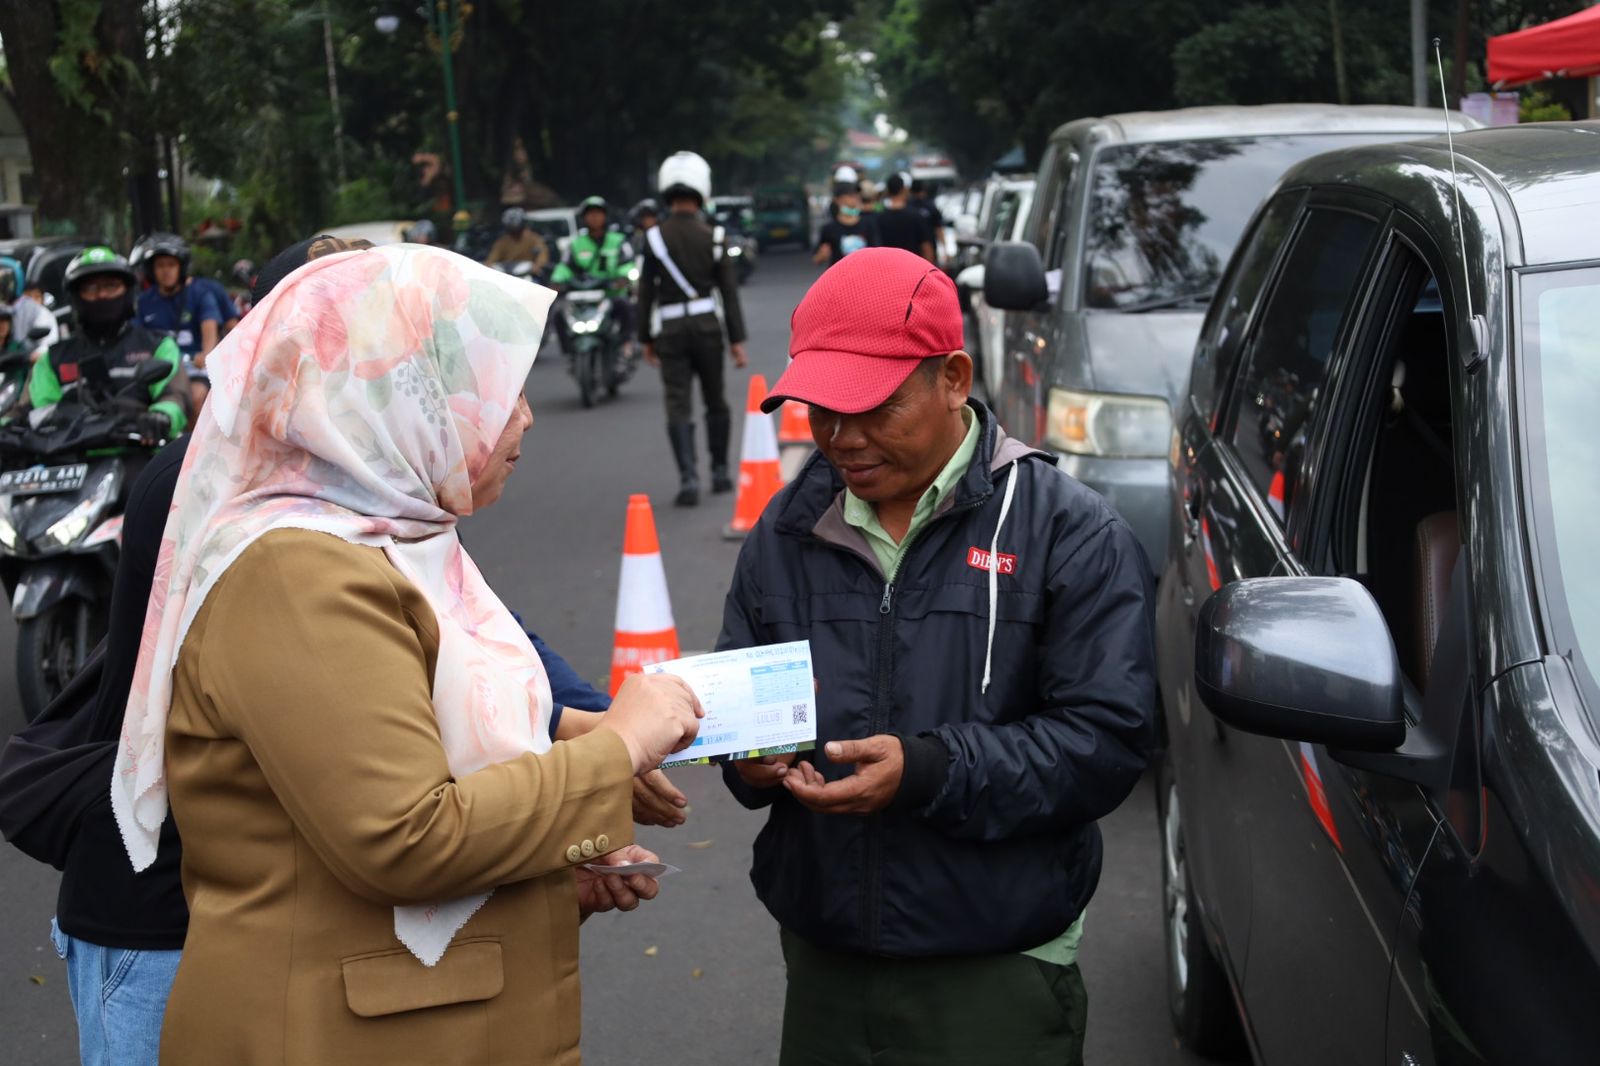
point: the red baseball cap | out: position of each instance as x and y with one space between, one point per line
863 327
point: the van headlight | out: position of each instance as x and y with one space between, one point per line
1107 424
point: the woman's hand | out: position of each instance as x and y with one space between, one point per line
657 801
656 715
598 893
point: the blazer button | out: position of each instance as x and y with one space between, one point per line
602 843
587 848
574 854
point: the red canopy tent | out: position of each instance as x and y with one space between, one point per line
1565 48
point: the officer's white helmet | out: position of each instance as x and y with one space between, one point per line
685 171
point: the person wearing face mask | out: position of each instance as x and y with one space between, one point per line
109 346
986 692
849 231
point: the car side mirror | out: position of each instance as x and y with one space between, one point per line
1301 658
1013 276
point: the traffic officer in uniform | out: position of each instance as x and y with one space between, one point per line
684 265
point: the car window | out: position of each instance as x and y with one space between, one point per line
1223 336
1058 220
1278 392
1164 218
1561 334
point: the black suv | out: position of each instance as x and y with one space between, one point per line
1379 620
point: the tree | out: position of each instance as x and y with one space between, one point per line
78 86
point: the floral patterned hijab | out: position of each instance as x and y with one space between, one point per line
360 399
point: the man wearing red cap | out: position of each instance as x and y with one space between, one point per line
981 630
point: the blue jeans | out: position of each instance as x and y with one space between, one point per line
119 996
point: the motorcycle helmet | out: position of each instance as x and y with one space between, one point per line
100 315
592 201
159 244
422 231
514 218
646 207
244 272
846 175
685 173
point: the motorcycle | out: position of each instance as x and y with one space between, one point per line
16 365
61 498
594 340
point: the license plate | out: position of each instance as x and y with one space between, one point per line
41 479
779 231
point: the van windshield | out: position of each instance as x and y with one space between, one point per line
1561 337
1164 218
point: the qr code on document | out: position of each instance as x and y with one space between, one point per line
799 714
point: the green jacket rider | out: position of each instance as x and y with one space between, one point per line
109 346
596 252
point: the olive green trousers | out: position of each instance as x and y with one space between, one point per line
987 1010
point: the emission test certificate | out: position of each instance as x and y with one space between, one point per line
758 701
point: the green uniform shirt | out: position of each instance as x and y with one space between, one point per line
1063 950
603 260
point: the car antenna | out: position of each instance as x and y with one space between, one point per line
1480 327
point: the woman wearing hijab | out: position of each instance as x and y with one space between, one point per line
384 849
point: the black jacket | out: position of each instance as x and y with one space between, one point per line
691 244
991 844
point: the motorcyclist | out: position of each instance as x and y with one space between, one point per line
108 348
646 214
188 314
519 243
422 231
8 336
601 254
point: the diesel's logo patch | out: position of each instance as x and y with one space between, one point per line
978 559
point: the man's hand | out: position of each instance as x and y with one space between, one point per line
153 428
650 355
880 762
598 893
767 772
741 358
657 801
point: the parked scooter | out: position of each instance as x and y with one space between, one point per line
61 500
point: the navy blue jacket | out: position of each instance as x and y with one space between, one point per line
991 844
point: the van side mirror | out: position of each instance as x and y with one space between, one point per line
1013 276
1301 658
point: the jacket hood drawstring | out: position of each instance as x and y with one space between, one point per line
994 572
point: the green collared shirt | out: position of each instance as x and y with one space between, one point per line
1063 950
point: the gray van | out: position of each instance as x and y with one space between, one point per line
1133 219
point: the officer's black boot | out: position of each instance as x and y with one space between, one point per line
718 427
681 435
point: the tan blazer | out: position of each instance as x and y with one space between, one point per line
312 794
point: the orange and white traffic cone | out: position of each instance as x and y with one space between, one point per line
1275 496
795 426
645 630
794 439
760 477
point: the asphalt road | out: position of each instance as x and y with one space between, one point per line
696 976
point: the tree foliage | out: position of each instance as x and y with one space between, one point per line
979 76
